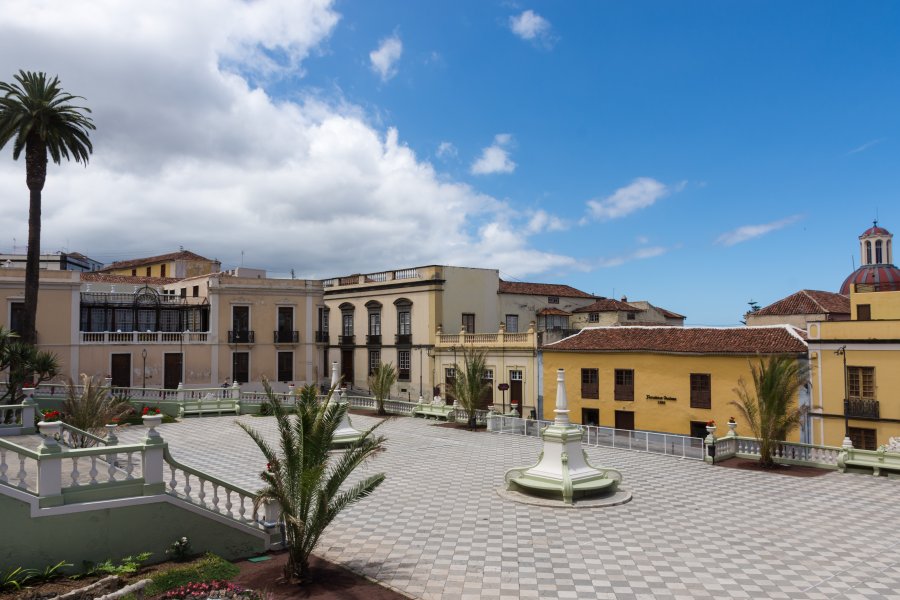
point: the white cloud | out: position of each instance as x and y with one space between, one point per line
446 150
188 151
749 232
543 221
640 193
866 146
532 27
384 58
495 158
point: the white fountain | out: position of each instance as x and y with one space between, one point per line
345 434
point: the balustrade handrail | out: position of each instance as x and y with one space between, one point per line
26 452
783 443
170 460
74 430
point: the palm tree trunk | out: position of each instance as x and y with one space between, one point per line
35 177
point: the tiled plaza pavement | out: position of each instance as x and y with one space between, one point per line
436 528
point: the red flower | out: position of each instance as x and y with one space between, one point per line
710 423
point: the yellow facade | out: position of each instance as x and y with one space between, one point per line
871 349
662 389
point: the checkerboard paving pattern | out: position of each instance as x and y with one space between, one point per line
437 529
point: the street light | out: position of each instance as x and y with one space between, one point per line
144 370
847 443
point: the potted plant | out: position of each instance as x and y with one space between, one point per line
50 424
732 425
710 427
152 418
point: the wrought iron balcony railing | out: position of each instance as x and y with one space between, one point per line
322 337
242 337
403 339
286 337
346 340
862 408
373 340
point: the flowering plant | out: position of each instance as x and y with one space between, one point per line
51 416
731 420
179 550
710 423
209 589
149 411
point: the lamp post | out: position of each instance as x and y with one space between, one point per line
144 370
847 443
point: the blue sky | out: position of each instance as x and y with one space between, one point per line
694 154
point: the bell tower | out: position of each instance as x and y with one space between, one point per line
875 246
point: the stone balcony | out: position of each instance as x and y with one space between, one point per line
498 339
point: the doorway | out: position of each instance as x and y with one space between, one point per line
624 419
173 363
347 366
120 370
590 416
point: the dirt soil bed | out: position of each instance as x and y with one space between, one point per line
792 470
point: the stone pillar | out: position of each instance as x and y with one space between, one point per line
152 460
50 474
29 409
179 392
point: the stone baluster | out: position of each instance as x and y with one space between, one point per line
29 407
152 462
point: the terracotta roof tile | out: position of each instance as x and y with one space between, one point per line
553 311
137 262
808 302
110 278
541 289
668 313
607 305
687 340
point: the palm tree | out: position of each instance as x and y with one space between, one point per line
380 382
469 385
301 478
770 408
37 115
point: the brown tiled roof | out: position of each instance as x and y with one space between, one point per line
110 278
690 340
668 313
553 311
541 289
152 260
808 302
607 305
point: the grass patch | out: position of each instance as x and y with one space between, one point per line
208 568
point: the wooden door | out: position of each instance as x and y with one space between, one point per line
624 419
347 366
120 370
173 363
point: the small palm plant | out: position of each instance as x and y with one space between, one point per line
301 478
469 385
770 408
91 409
380 382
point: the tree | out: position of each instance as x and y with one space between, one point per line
380 382
25 364
469 385
770 408
91 409
37 115
301 478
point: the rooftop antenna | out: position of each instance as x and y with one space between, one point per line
242 258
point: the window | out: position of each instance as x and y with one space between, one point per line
449 381
195 291
183 292
148 271
590 416
468 322
863 312
556 322
162 270
374 360
512 323
240 367
862 438
624 385
285 332
403 365
594 317
285 366
868 253
590 387
134 272
17 317
630 316
375 323
347 324
404 321
701 390
552 299
487 393
861 383
878 252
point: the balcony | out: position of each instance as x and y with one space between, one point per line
322 337
862 408
373 340
241 337
346 340
144 337
403 339
286 337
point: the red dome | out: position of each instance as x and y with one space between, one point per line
875 230
885 277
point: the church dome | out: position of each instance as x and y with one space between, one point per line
876 260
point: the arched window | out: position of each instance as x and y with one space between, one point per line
868 253
404 321
347 322
374 333
878 260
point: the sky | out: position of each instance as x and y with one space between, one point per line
696 154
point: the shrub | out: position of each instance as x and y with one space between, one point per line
179 550
91 409
208 568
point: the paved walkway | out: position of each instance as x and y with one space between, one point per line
437 528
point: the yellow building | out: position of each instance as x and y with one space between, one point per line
175 265
857 362
667 379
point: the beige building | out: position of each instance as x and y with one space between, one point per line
153 332
178 265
